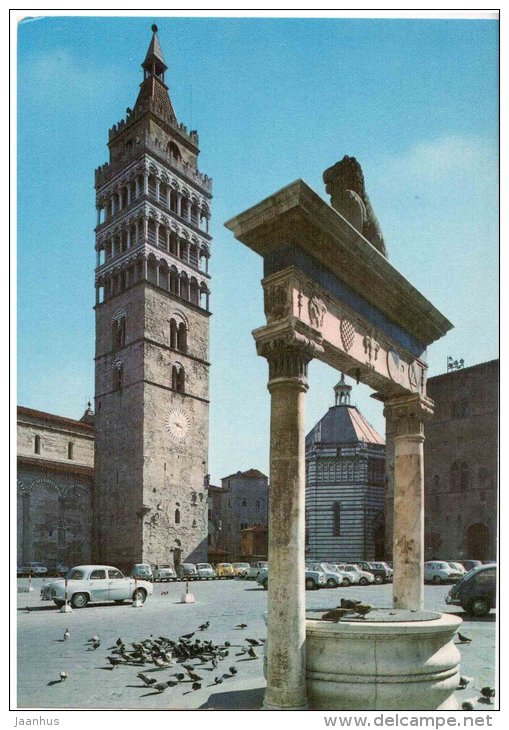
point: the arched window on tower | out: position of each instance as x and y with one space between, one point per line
173 334
117 376
177 516
70 450
178 378
118 327
37 444
173 150
182 337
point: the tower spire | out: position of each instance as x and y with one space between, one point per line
154 60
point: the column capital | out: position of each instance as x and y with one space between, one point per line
287 350
407 413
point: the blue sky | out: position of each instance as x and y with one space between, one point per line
416 101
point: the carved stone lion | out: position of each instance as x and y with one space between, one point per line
344 182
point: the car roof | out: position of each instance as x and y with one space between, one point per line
95 567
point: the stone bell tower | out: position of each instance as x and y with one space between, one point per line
152 335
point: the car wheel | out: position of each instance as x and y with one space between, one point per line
310 584
265 584
479 607
363 581
79 600
378 579
437 580
58 603
331 583
347 582
140 594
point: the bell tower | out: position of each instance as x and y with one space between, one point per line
152 334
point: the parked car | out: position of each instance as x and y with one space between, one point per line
163 571
205 570
355 575
255 568
314 579
187 571
142 571
476 592
469 564
438 571
457 566
241 570
88 583
333 576
33 568
381 571
225 570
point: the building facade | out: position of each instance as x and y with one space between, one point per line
240 503
55 459
152 335
461 464
345 481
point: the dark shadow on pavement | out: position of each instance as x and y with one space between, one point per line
248 699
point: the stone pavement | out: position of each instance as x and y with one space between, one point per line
42 654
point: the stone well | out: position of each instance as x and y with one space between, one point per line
394 659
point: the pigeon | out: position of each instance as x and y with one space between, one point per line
195 686
94 645
114 661
187 636
233 670
347 603
146 680
93 639
63 676
487 693
254 642
204 626
180 676
467 705
252 653
67 634
362 610
336 614
464 681
241 626
217 680
161 686
195 677
164 593
463 639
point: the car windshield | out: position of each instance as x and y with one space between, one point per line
75 574
241 565
164 567
204 565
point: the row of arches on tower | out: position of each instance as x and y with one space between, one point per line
157 272
177 331
146 227
152 184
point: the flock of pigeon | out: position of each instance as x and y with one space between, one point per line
188 658
487 693
197 656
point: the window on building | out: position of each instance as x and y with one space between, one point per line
70 450
117 377
244 503
258 504
177 516
178 378
459 476
336 519
37 445
118 333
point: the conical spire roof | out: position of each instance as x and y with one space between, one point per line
154 57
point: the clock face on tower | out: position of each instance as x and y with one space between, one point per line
177 424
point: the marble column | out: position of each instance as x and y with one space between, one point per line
286 655
406 415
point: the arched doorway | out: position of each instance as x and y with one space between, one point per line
478 541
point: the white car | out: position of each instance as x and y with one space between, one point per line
88 583
256 568
355 575
164 571
333 576
438 571
205 570
33 569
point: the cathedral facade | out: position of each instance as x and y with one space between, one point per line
152 335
